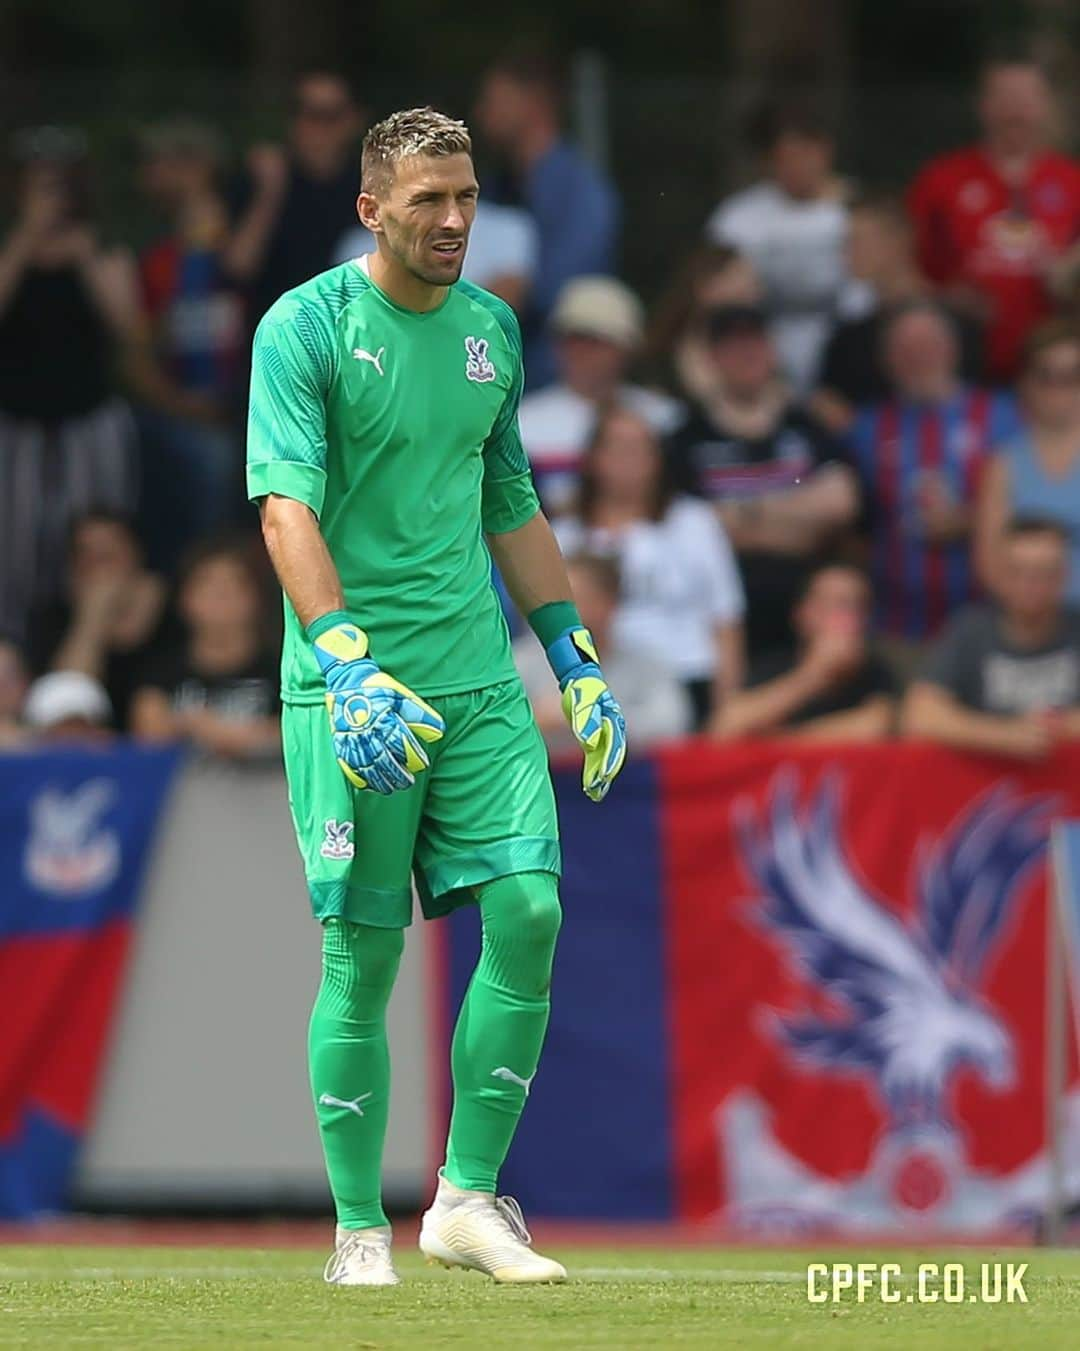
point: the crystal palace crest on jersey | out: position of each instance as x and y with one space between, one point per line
478 365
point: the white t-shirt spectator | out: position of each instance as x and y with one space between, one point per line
797 249
556 424
503 242
679 582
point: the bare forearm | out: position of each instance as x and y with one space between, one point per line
870 721
301 559
797 519
243 255
731 669
531 564
932 713
766 708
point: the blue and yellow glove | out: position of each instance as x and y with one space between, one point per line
591 709
378 725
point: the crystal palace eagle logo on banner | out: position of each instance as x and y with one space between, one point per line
895 1001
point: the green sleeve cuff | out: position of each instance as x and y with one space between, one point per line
319 626
548 621
288 478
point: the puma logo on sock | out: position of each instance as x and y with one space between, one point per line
353 1104
503 1073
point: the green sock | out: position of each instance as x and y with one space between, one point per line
501 1027
349 1062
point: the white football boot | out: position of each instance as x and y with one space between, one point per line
485 1233
361 1257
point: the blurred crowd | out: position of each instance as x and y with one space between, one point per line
829 487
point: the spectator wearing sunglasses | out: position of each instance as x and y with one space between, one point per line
1037 473
299 198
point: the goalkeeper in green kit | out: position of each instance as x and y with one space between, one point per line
383 449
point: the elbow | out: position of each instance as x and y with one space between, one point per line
918 713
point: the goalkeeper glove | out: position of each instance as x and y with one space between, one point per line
591 709
379 726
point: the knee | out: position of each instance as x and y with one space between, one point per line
527 907
359 958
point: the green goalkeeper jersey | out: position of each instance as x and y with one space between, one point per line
399 430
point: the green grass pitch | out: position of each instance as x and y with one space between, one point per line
108 1297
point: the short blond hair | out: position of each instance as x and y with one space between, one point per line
414 131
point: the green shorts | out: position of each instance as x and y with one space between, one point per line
485 808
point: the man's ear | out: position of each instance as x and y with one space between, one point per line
367 208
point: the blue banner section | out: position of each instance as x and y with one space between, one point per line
1067 886
596 1135
74 829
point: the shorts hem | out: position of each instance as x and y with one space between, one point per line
448 884
389 908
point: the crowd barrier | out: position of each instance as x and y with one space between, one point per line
797 989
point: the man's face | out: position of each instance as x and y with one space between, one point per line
325 121
920 354
1035 575
745 362
1016 107
801 164
503 110
593 366
425 215
837 605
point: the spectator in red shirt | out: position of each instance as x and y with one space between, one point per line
992 219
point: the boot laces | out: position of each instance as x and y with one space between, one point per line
509 1211
355 1245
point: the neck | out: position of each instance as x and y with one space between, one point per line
226 648
933 391
1030 630
618 508
1009 157
403 287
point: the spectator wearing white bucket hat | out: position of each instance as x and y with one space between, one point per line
598 324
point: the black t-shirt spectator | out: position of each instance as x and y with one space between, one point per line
244 695
975 662
723 466
852 366
47 627
873 679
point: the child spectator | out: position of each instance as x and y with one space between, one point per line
681 599
218 688
187 370
1005 679
1037 473
835 688
654 703
115 612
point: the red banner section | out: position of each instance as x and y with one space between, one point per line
855 968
